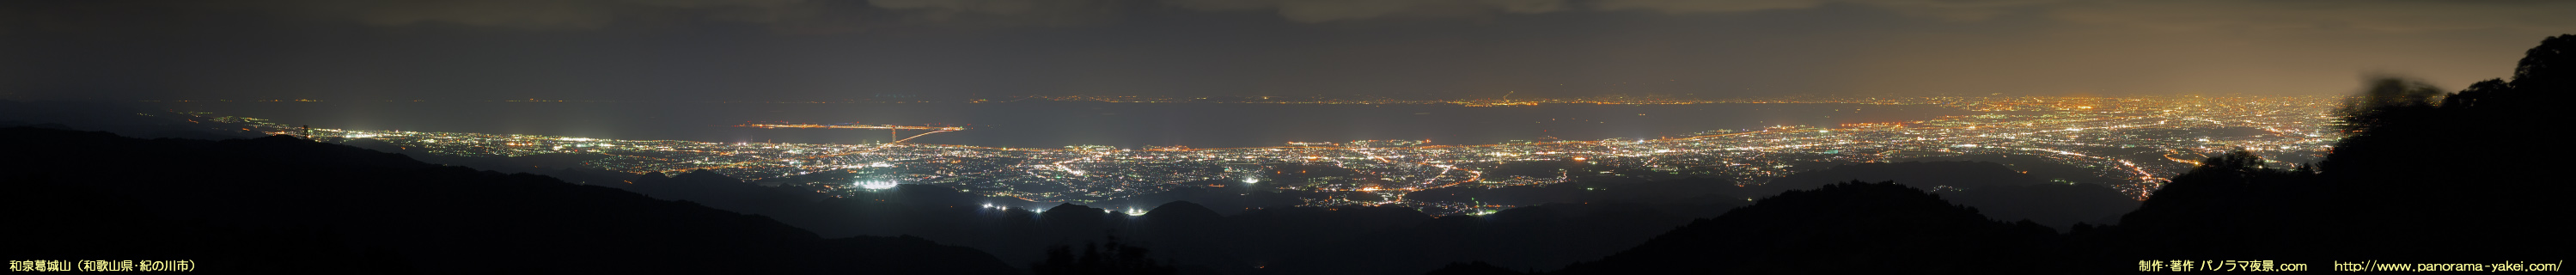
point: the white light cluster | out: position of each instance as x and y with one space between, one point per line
877 184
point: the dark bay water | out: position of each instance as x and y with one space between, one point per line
1057 124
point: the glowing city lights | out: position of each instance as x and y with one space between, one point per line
2133 143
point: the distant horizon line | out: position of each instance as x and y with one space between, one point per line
1287 99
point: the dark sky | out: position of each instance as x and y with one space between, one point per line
824 50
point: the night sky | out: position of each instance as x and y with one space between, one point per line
828 50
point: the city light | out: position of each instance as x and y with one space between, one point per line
876 184
2139 141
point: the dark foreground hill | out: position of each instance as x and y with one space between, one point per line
1846 228
286 205
1995 190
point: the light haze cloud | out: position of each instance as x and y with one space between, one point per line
803 49
1004 12
574 15
1316 11
2364 15
549 15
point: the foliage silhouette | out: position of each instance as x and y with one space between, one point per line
1101 259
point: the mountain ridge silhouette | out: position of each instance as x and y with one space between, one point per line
427 218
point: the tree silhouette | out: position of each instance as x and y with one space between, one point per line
2476 155
2387 98
1099 259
